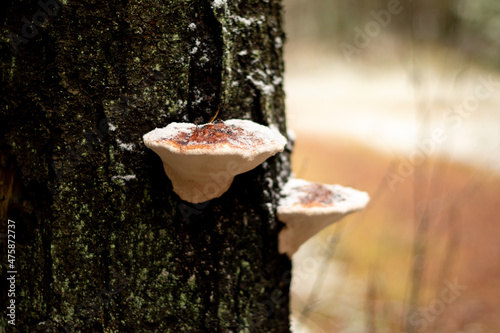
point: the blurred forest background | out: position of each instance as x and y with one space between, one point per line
471 27
407 108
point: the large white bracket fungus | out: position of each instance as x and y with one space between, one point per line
306 208
202 160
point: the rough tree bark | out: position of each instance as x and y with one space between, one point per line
102 242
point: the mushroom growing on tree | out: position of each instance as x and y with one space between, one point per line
202 160
306 208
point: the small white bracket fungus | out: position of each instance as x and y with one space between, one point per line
201 161
306 208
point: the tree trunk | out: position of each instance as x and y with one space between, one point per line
102 243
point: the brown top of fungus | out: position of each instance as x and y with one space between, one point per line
212 135
303 197
227 137
317 195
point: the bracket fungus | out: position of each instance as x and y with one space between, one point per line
306 208
202 160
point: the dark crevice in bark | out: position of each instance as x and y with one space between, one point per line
257 111
236 296
4 5
46 239
118 55
205 66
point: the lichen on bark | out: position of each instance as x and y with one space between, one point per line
104 244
